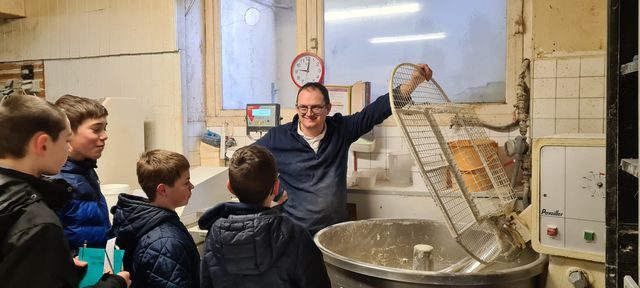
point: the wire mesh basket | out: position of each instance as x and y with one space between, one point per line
457 160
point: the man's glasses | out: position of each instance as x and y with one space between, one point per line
316 109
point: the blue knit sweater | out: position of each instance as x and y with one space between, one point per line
317 182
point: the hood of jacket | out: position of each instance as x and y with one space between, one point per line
248 239
134 216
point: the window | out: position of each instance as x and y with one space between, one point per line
257 39
475 52
464 42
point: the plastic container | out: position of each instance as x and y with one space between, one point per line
366 178
111 192
400 168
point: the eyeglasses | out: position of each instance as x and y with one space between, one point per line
316 109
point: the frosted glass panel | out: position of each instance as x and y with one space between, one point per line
257 46
464 41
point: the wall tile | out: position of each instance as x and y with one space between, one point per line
363 160
544 108
393 132
393 143
543 127
378 160
568 67
544 68
592 66
567 108
567 126
592 87
591 126
591 107
544 88
379 130
568 88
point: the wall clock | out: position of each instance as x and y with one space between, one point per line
307 67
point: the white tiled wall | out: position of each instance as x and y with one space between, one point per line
568 95
388 139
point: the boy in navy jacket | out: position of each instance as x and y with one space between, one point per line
250 244
159 251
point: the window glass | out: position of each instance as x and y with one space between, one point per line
258 42
464 42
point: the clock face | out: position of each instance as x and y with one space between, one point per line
307 67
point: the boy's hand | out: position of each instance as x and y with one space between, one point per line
126 276
79 263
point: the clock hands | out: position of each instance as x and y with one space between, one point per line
308 63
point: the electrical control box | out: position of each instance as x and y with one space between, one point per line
568 196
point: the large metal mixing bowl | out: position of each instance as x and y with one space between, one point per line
379 253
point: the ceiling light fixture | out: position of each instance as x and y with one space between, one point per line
405 38
375 11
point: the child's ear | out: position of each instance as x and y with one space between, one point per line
39 142
161 190
229 187
276 187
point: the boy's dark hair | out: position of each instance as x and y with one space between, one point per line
21 117
79 109
252 173
159 166
315 86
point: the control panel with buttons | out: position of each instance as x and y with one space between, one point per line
568 196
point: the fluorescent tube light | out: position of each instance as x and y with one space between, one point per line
405 38
375 11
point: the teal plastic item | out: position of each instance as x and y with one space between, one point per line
95 258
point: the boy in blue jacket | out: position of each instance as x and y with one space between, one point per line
86 217
250 244
159 251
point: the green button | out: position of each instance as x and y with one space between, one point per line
589 235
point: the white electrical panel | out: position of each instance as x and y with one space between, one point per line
568 196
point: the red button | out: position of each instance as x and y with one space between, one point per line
552 231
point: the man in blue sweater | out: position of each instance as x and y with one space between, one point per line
312 152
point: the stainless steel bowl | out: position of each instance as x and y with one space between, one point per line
379 253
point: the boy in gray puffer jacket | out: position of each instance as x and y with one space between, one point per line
250 244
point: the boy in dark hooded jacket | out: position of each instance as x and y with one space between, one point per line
159 251
250 244
33 249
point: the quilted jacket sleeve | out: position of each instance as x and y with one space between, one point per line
86 216
83 221
165 263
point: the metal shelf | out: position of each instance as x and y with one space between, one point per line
630 166
630 67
